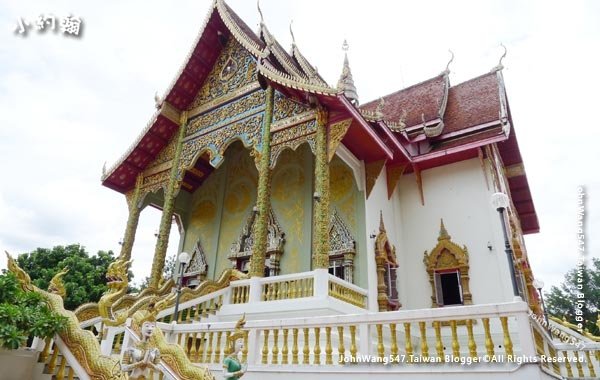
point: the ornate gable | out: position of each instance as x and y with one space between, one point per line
341 240
197 264
242 247
235 69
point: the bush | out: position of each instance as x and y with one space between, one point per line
24 314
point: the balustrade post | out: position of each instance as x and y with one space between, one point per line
107 342
255 290
253 346
364 341
321 284
525 334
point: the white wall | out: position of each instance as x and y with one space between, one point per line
458 193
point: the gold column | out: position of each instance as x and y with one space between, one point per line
321 213
133 200
167 214
263 201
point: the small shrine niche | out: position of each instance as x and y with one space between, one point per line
241 250
195 271
342 248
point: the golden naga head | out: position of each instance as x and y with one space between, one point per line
56 285
19 273
116 274
237 334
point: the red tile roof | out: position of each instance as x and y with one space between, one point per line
420 99
471 103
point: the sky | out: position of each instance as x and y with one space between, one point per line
68 105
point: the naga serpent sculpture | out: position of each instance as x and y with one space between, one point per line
81 343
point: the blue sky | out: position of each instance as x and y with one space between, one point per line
67 105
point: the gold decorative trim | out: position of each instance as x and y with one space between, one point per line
337 131
372 171
292 121
217 102
448 255
385 255
514 170
170 112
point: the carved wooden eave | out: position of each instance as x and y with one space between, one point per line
372 172
393 174
337 131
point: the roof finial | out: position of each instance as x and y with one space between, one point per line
262 19
292 33
447 71
158 101
379 109
346 83
499 66
381 225
443 233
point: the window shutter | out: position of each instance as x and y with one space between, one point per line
460 291
439 294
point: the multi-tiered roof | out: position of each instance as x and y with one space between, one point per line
423 126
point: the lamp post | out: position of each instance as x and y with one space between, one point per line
183 258
539 284
500 203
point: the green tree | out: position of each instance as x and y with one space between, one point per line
581 286
85 281
24 314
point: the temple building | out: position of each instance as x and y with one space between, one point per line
338 229
271 171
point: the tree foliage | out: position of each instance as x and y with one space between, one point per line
578 297
85 281
24 314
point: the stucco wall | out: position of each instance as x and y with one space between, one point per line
459 194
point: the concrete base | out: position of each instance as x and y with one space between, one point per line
17 364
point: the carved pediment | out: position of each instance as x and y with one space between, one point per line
243 246
340 239
197 264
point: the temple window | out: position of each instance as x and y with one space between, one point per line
241 250
447 287
342 248
448 268
336 268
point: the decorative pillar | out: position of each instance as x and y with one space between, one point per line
167 215
321 214
263 198
133 200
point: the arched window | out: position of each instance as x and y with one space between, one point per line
448 269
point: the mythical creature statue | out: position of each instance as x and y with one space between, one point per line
117 282
232 366
81 343
153 348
